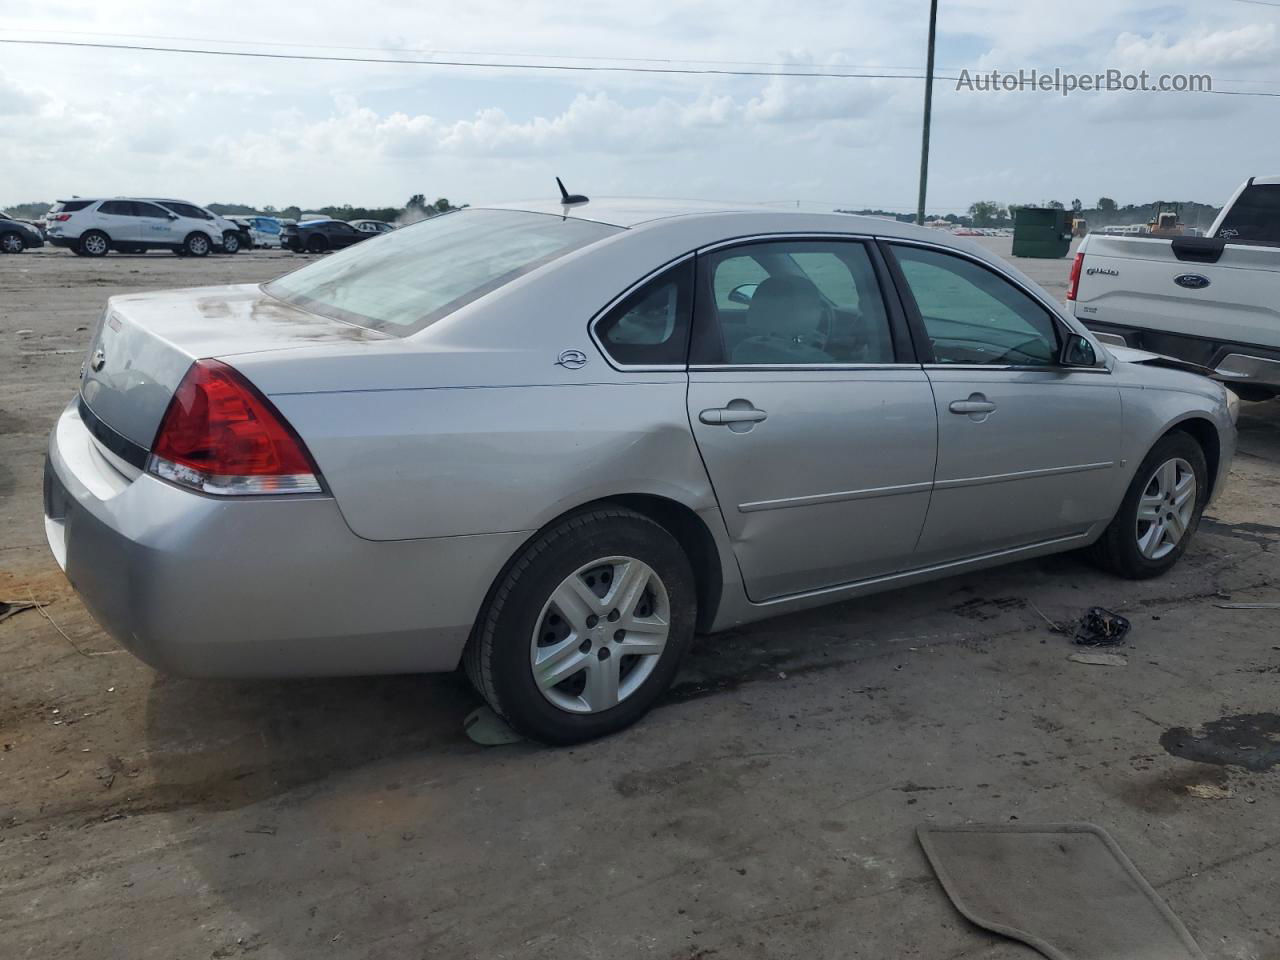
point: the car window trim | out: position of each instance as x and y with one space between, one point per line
920 335
904 351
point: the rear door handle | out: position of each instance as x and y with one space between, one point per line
976 403
724 415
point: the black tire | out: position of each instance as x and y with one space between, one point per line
197 244
317 244
94 243
1117 549
497 658
12 242
230 243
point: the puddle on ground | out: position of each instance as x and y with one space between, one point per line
1249 740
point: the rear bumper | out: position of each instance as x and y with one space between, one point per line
1224 360
261 587
63 241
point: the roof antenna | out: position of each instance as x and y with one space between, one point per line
568 198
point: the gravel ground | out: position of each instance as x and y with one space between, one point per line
767 809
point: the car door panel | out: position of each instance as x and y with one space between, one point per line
1028 448
1040 465
817 428
832 486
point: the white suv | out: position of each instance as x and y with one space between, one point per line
92 227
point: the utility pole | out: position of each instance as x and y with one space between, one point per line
928 113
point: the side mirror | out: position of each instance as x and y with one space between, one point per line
743 292
173 216
1078 352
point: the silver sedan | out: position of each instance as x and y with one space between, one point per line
552 442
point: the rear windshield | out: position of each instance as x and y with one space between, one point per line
403 281
70 206
1255 216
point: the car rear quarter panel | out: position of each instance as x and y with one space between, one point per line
455 461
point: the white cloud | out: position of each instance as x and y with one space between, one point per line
1247 45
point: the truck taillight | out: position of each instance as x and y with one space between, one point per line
221 436
1073 282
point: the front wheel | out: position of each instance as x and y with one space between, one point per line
586 629
1160 511
230 242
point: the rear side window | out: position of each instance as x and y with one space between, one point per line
69 206
417 275
791 303
117 208
149 210
651 326
1255 216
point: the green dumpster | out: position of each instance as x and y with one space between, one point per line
1041 232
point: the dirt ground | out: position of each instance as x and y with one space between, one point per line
767 809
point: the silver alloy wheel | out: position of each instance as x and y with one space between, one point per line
199 244
230 243
600 635
1165 509
11 243
95 244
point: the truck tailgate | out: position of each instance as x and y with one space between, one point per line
1140 282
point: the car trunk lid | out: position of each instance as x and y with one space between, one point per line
145 343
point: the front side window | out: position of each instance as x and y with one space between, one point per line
426 271
651 326
972 315
1255 216
117 208
791 302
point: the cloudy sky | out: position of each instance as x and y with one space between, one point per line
266 131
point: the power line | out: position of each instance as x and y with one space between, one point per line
581 68
577 68
480 53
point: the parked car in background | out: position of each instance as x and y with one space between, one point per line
232 237
266 231
320 236
92 227
514 437
372 226
18 235
1209 301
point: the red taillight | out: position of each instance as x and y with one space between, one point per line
220 435
1073 282
62 217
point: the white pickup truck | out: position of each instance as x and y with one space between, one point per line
1210 301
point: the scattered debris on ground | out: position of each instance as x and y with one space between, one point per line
1100 628
1099 659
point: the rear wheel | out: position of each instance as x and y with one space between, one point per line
317 244
586 629
12 242
1160 511
196 245
94 244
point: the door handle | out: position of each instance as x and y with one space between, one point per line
976 403
724 415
